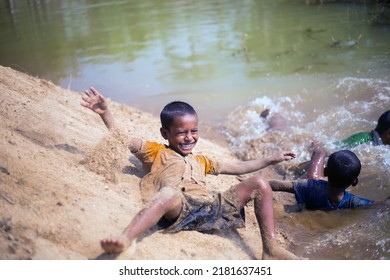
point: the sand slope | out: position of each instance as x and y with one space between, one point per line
65 183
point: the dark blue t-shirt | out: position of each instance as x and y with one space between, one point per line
314 194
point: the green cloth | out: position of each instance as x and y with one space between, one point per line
355 140
360 138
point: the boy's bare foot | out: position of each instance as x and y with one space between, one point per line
279 253
114 245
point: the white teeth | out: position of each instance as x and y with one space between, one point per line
186 146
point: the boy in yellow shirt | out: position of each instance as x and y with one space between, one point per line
175 188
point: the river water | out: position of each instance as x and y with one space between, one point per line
324 68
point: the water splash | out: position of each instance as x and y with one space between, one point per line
355 105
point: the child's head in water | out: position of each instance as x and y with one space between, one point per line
383 127
275 120
179 125
343 169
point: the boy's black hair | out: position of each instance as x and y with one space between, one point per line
343 168
173 110
383 122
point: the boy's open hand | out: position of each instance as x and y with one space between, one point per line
283 156
95 101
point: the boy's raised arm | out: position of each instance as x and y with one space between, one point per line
243 167
96 102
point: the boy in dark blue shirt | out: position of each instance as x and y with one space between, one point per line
343 168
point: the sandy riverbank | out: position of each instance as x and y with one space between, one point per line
54 205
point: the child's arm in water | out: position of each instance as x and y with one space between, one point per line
243 167
97 103
281 186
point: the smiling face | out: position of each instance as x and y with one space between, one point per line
182 135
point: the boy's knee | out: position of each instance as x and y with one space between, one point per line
259 180
170 196
171 200
253 188
261 183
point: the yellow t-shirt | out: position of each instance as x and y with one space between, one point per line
167 168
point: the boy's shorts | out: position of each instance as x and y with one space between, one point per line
220 212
